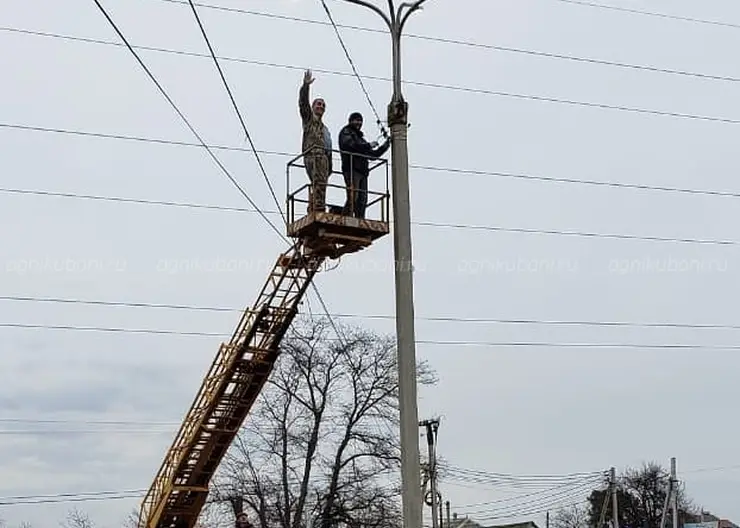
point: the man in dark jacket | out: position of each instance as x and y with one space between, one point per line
356 153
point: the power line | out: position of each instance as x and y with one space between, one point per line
236 108
204 145
479 45
488 344
87 497
505 500
84 422
58 495
548 501
649 13
502 229
512 476
61 432
472 172
438 319
354 69
441 86
182 116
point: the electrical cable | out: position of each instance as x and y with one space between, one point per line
547 502
354 69
85 422
650 13
487 344
472 172
466 507
182 116
437 319
512 476
204 145
437 225
480 45
64 499
440 86
236 108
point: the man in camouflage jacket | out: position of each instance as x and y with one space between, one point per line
316 145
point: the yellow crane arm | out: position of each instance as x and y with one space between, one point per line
226 396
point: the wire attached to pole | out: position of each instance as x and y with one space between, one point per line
379 122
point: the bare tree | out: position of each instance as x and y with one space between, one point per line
640 496
575 516
131 520
78 519
321 448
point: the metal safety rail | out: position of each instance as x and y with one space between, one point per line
226 396
376 199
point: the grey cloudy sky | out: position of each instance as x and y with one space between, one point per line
522 410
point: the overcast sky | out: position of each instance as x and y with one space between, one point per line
512 409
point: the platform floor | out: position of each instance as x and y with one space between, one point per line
328 224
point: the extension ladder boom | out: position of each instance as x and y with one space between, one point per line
242 366
226 395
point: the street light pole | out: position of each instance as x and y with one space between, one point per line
409 413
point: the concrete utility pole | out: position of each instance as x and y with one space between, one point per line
613 486
674 488
432 426
670 498
409 414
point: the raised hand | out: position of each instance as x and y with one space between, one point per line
308 78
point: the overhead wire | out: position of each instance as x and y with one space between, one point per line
223 78
379 122
182 116
236 108
70 421
486 344
549 501
504 500
657 14
480 45
71 497
438 225
456 170
436 319
204 145
519 477
434 85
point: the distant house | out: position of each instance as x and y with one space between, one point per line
467 522
707 520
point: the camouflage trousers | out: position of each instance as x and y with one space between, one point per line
317 167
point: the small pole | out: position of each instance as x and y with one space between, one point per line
666 502
613 485
674 489
431 433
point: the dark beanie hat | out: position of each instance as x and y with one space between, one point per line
355 115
